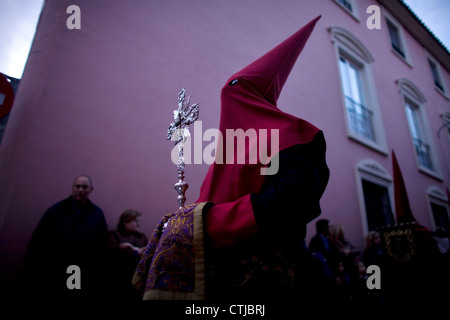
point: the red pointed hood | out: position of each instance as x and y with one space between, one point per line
8 91
402 208
268 74
249 102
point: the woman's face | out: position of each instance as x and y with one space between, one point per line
377 240
132 225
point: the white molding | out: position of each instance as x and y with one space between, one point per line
406 86
347 45
437 193
410 92
350 42
436 196
375 169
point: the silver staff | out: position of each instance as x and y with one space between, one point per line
179 133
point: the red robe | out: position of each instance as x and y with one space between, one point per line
178 262
249 101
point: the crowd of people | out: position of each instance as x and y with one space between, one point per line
74 232
340 268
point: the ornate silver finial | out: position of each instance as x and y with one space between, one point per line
179 133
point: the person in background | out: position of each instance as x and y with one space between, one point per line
320 248
71 232
319 244
442 241
343 285
341 248
125 246
373 253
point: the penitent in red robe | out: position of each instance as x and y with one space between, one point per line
247 202
257 221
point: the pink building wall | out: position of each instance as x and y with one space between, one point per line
99 101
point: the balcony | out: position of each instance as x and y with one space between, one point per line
423 153
360 119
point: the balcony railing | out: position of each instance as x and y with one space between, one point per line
423 153
360 119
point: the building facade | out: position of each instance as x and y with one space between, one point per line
97 98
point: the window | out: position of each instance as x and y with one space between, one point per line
440 215
396 38
349 6
436 76
359 98
419 140
377 204
422 142
359 116
439 208
374 185
435 71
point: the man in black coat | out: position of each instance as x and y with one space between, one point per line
71 233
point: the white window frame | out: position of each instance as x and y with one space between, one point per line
411 94
372 171
347 45
442 91
401 34
354 13
437 196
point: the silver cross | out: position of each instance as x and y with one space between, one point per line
179 133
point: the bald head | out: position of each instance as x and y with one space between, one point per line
82 188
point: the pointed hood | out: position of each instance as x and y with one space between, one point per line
8 91
249 103
402 208
268 74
